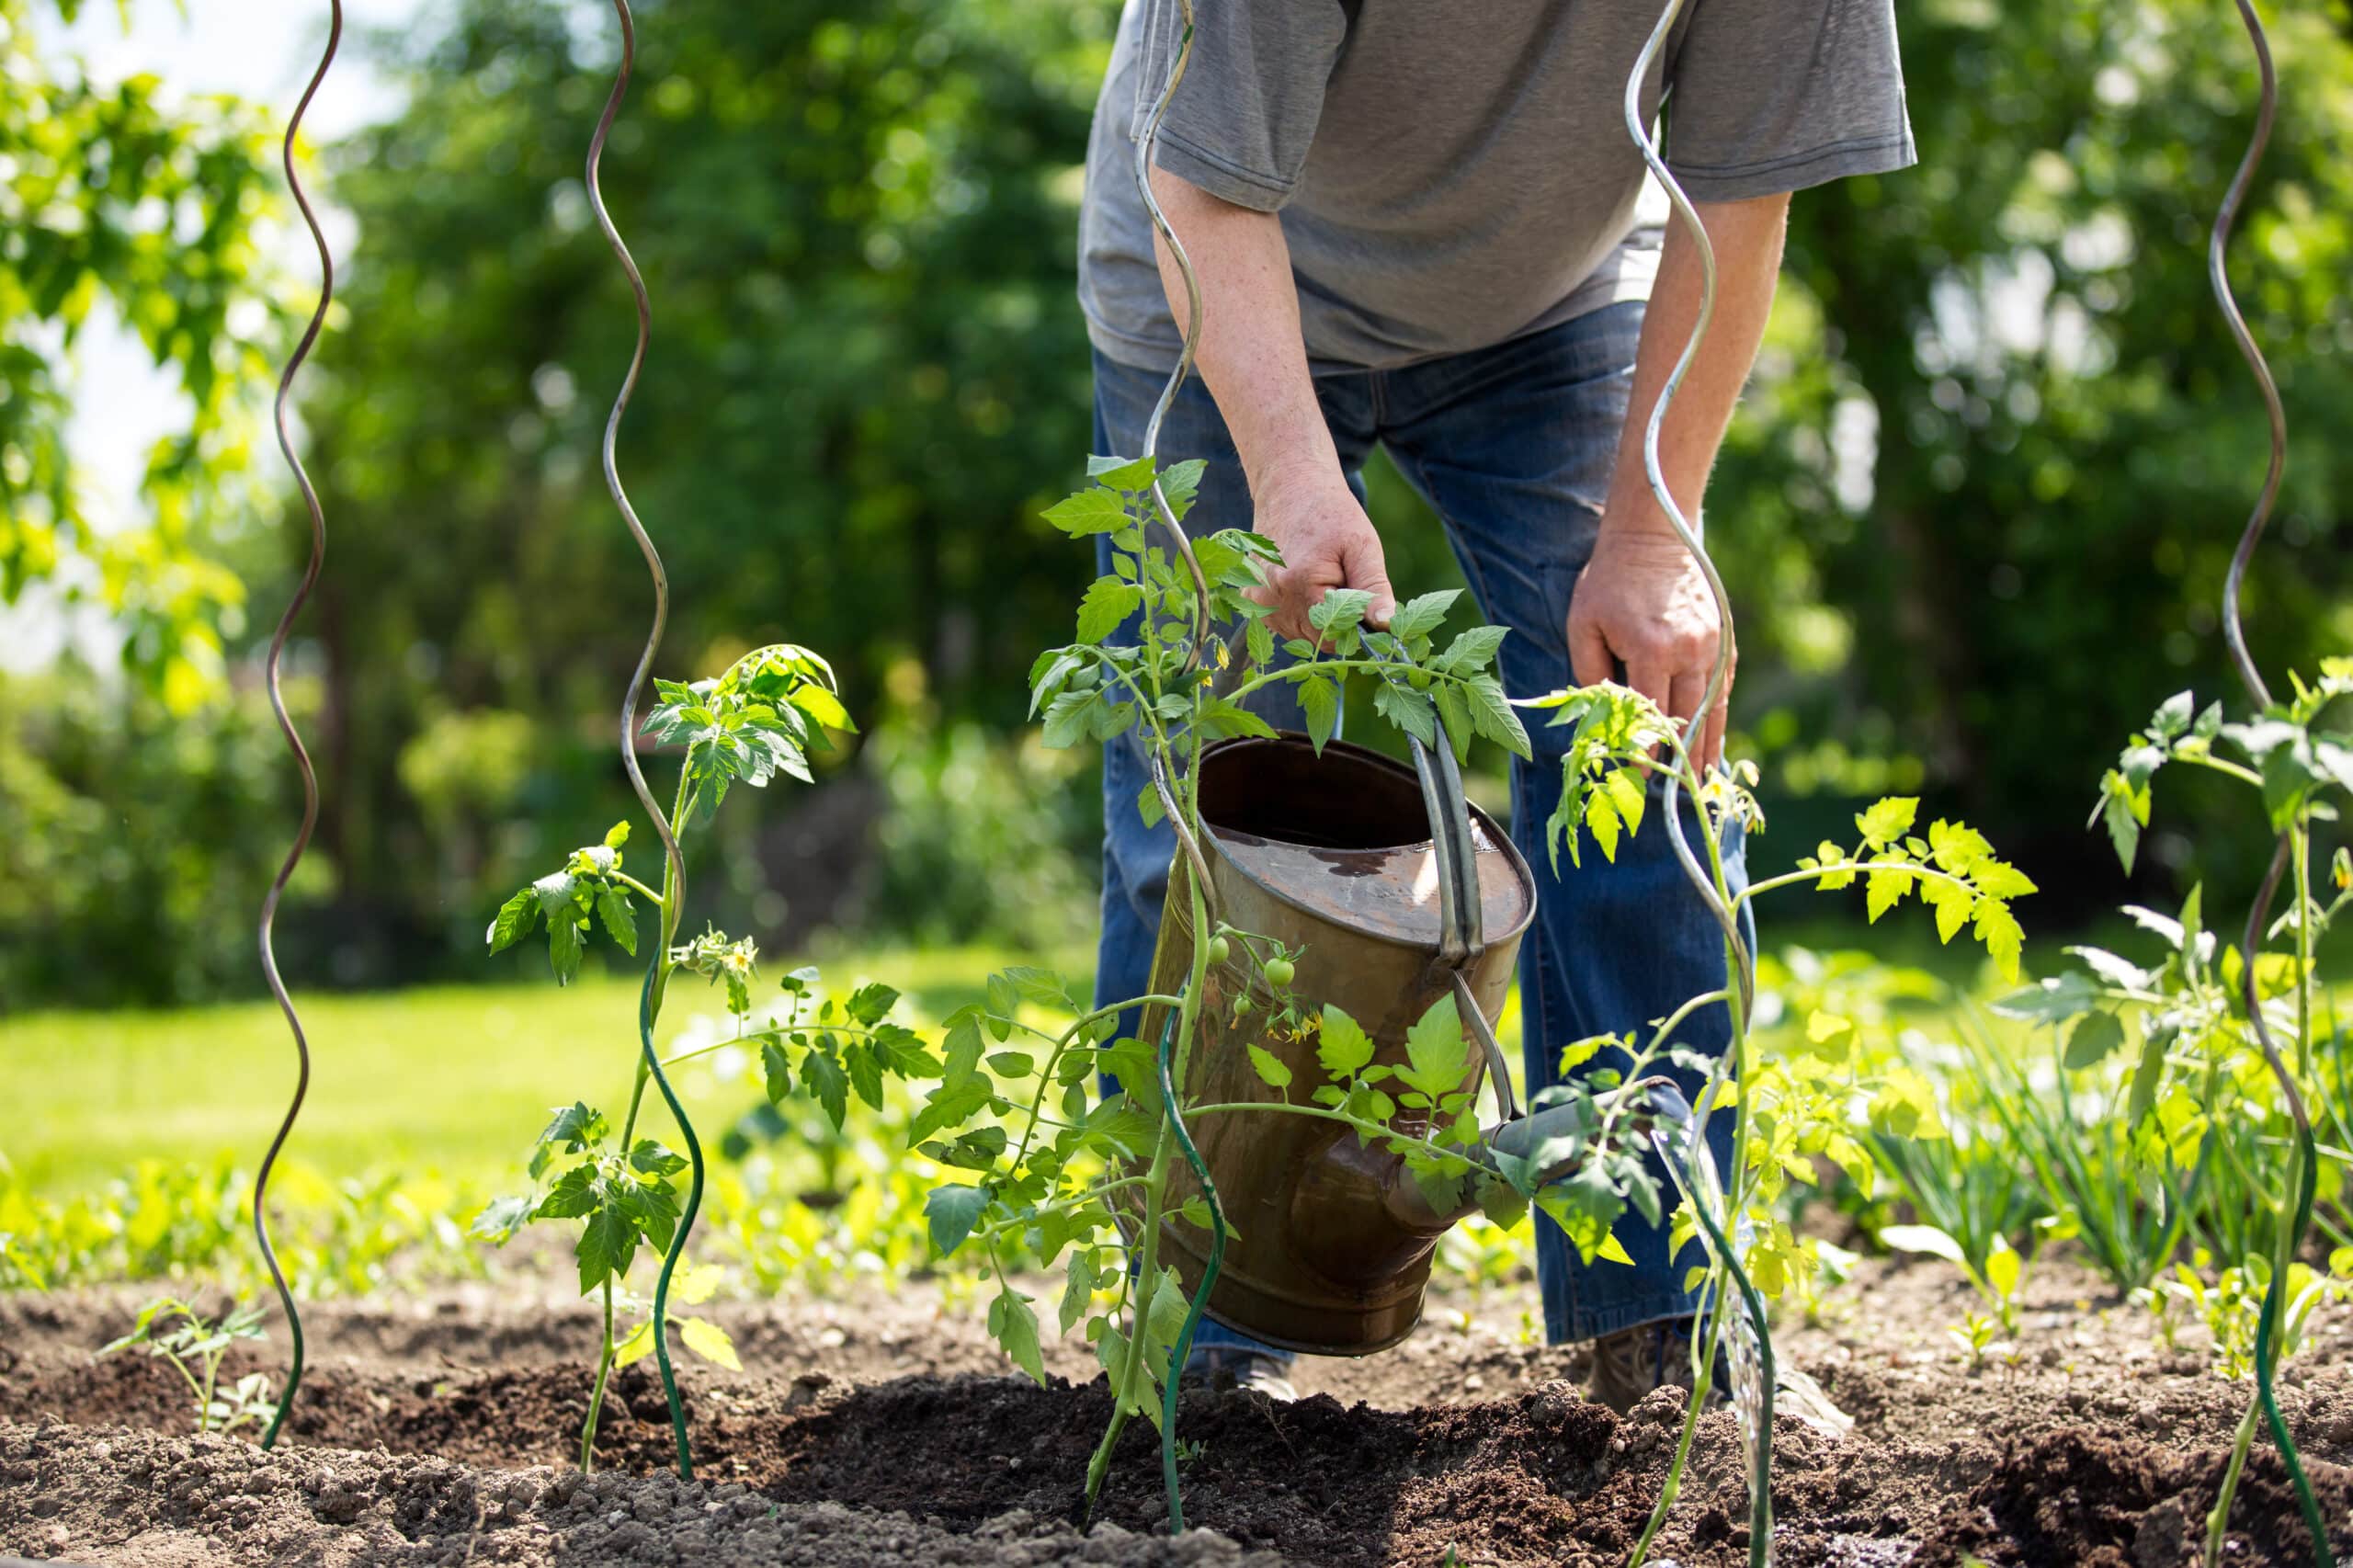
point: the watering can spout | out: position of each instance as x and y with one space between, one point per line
1412 1204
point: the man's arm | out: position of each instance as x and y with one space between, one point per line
1254 363
1642 600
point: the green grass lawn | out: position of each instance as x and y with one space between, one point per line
452 1079
455 1079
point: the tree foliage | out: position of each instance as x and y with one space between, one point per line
2053 440
147 203
866 368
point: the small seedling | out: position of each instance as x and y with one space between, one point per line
195 1350
1975 1332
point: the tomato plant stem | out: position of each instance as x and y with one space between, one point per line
1127 1392
596 1395
1130 1368
1702 1379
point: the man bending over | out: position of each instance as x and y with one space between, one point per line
1422 225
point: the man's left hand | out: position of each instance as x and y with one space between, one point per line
1643 602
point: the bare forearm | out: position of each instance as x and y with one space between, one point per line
1251 354
1254 363
1641 601
1748 238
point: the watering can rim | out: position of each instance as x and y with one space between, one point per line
1495 831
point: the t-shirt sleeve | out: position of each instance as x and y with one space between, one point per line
1774 95
1246 113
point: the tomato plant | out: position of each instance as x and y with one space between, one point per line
1048 1169
194 1345
759 719
2211 1089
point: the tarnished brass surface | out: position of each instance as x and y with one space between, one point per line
1334 853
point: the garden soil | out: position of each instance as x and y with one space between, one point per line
883 1431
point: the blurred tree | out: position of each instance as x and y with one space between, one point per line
135 842
148 201
1987 489
1975 511
867 372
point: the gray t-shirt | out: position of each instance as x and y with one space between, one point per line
1453 173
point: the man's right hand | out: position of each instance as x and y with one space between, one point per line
1327 542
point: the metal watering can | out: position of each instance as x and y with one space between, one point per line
1401 893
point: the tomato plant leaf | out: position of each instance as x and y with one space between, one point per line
870 1003
865 1070
824 1075
1272 1072
1998 929
565 944
1436 1055
1014 1326
1342 1046
1585 1206
711 1342
2094 1038
1887 820
1095 511
650 1158
516 918
776 1070
573 1128
650 1209
1472 649
636 1346
952 1212
2049 1001
2148 1072
1260 641
607 1244
499 1218
613 907
1493 715
1420 615
1179 482
1108 603
1078 1294
1407 708
1320 702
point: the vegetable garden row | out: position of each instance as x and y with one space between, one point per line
2169 1120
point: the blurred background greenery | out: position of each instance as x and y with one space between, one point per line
1975 513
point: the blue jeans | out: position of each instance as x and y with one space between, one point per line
1512 447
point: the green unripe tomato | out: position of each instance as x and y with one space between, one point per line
1278 972
1242 1006
1218 950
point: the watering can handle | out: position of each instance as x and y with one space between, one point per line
1461 934
1460 937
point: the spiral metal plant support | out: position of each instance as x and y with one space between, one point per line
1720 675
1177 378
1740 961
293 738
2266 1350
649 994
1197 864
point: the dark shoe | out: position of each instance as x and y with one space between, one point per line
1631 1363
1223 1367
